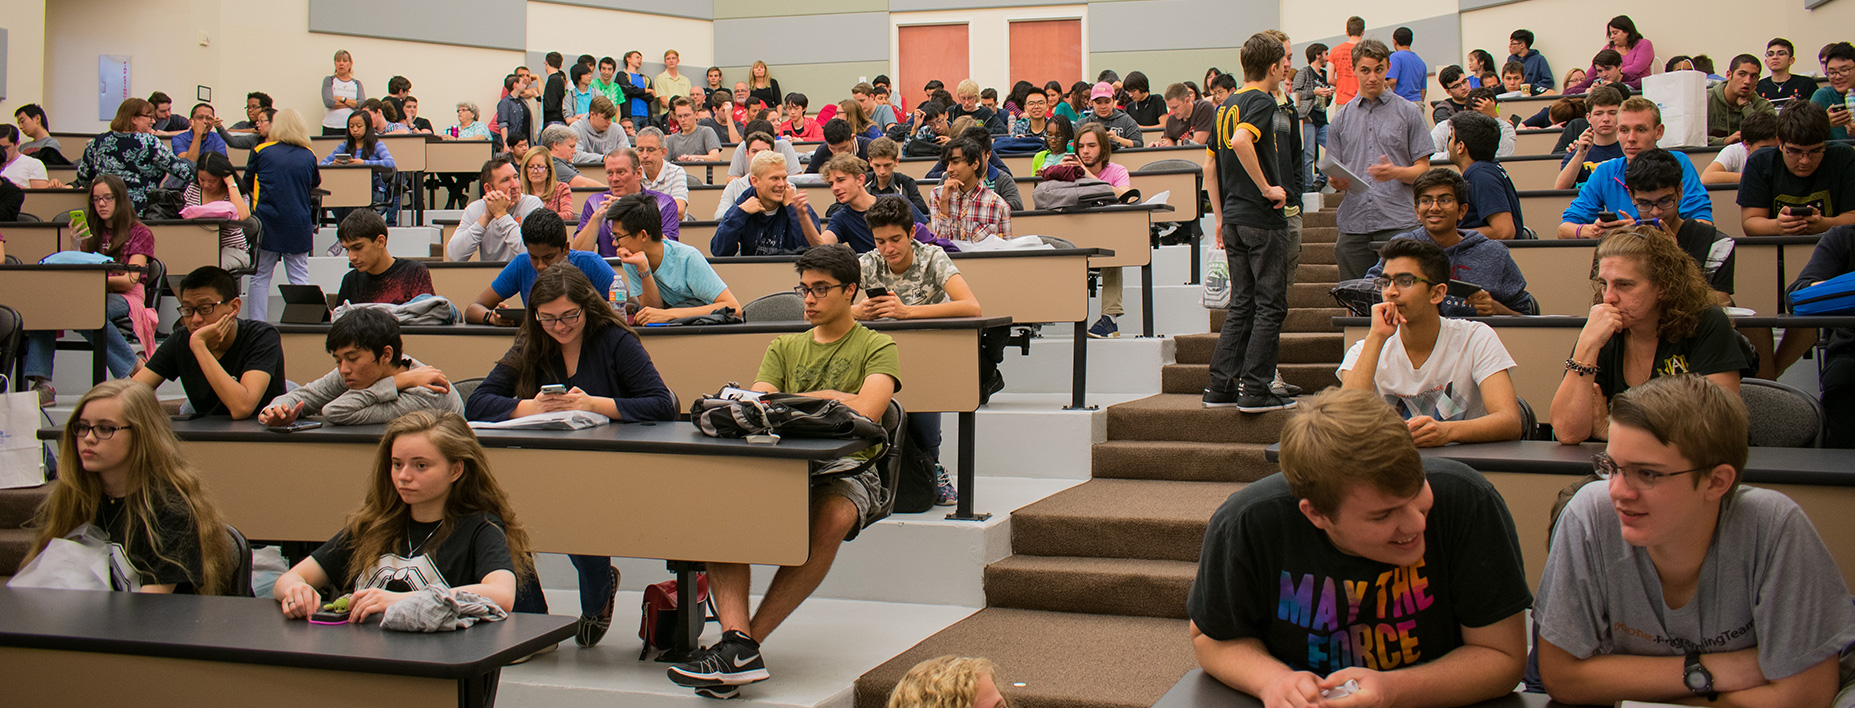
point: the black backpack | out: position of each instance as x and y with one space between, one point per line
915 491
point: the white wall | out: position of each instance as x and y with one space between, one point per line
24 21
573 30
1308 21
988 38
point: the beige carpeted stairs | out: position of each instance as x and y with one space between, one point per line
1090 612
17 507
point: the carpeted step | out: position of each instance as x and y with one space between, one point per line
1317 273
1183 417
1061 659
16 543
1317 253
1300 319
17 506
1120 518
1332 200
1296 347
1097 586
1324 218
1180 461
1310 295
1192 379
1319 234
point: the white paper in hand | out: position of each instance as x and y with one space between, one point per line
557 420
1332 168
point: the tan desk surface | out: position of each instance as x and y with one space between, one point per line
183 245
47 204
1531 175
78 303
580 195
62 173
703 200
73 145
348 185
1124 231
32 241
1136 158
1530 142
456 155
940 367
595 173
1558 275
1182 197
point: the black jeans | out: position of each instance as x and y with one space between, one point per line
1248 346
1839 401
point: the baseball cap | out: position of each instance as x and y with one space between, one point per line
1102 90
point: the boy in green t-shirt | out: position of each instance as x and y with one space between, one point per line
836 359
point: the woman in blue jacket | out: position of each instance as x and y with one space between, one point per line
279 176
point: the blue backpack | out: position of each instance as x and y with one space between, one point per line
1835 296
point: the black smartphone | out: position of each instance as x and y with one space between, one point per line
1463 288
296 426
511 316
1606 216
877 291
328 617
1803 211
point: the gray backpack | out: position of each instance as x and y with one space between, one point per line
1085 193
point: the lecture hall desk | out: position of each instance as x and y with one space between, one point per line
60 297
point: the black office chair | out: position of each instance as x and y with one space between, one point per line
254 235
1529 421
154 282
12 346
774 307
241 557
466 387
889 465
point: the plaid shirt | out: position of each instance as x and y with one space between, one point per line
971 216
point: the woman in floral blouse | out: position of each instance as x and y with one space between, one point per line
131 150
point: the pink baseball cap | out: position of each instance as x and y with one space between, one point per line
1102 90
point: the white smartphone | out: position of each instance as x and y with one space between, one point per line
553 390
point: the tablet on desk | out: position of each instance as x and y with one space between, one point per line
303 304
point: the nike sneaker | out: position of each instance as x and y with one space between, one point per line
733 661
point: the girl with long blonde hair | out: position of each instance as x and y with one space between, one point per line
120 468
434 516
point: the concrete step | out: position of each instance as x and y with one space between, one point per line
1296 347
1120 518
1192 379
1125 364
1097 586
1181 461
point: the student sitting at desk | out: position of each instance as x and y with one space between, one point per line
1654 183
1356 514
575 340
111 229
883 179
836 359
623 177
1494 207
1448 378
1805 172
1759 131
668 278
545 237
771 218
226 364
1639 127
1671 581
377 276
494 222
373 381
1655 317
121 470
363 147
847 221
434 516
1442 196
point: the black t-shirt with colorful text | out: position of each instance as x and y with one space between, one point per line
1267 572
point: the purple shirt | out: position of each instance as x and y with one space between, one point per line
595 208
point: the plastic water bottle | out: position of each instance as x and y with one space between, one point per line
616 296
1848 99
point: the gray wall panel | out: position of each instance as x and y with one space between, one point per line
914 5
1466 5
807 39
2 63
1148 25
494 24
697 9
1437 39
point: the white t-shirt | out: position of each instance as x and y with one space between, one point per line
23 169
1449 385
338 117
1733 157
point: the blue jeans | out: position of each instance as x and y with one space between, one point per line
595 585
1312 140
924 430
258 296
1249 344
119 357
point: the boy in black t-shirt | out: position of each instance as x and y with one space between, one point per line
228 366
377 275
1780 54
1254 233
1363 562
1806 186
1654 182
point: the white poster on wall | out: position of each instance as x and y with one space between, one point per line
112 84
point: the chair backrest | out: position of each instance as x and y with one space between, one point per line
691 180
1781 415
776 307
1529 421
1171 164
153 282
12 342
241 554
28 218
13 260
893 421
466 387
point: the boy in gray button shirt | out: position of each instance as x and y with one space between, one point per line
1670 581
373 381
1382 139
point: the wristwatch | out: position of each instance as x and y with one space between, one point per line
1698 679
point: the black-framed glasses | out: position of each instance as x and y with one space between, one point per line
1812 153
203 310
104 432
569 317
1443 200
1635 477
1404 280
1663 204
817 290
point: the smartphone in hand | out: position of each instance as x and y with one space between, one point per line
553 390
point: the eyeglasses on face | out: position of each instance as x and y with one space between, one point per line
1635 477
1810 153
817 290
1444 200
203 310
1404 280
1663 204
569 317
104 432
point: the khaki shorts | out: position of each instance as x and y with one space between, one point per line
864 489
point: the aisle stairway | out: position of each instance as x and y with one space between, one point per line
1090 611
16 509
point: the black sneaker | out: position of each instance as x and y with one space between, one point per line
1263 403
593 628
1105 328
993 384
733 661
720 693
1214 398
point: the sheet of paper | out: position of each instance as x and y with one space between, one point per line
557 420
1331 168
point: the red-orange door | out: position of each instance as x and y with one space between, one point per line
930 52
1046 50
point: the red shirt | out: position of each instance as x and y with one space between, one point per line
1345 84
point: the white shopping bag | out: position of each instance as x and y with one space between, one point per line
1216 281
79 561
21 464
1682 96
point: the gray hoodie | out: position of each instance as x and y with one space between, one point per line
1120 124
331 398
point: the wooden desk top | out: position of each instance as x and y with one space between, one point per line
248 630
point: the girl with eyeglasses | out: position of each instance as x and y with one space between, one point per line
574 339
120 469
111 229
